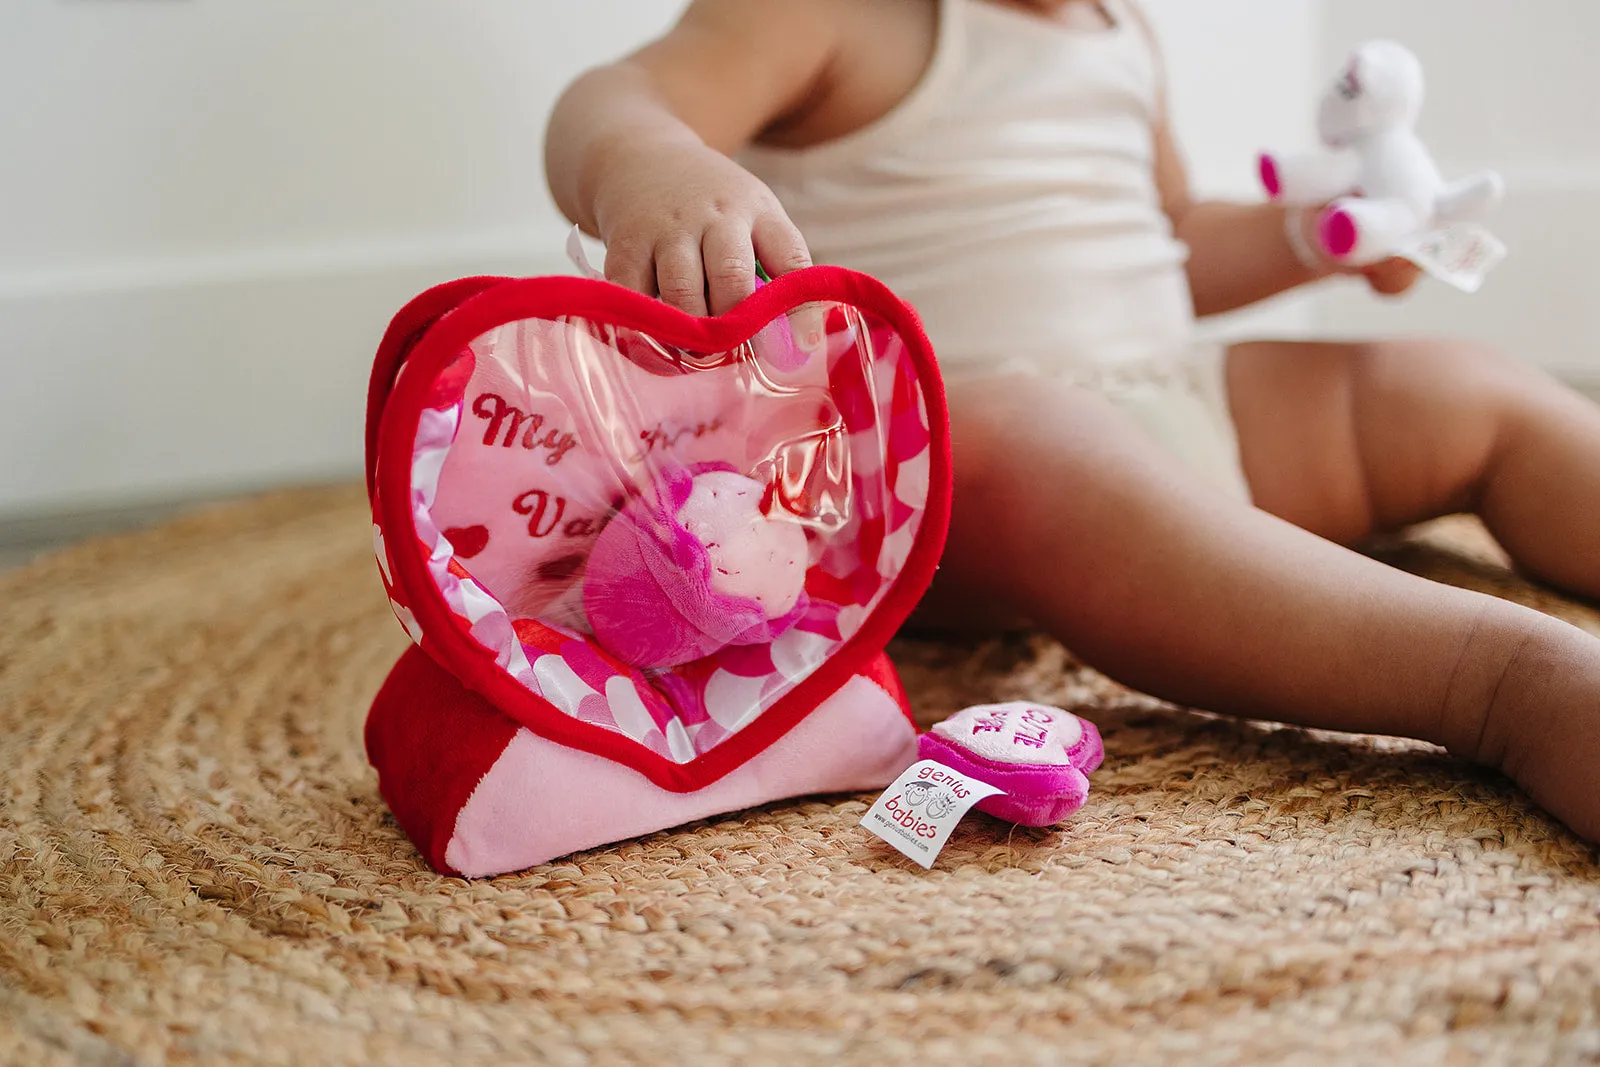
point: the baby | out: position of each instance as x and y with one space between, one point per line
1175 512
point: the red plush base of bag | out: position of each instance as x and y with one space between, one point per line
481 795
511 423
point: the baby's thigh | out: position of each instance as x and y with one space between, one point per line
1041 463
1351 439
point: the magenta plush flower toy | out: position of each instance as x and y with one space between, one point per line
694 567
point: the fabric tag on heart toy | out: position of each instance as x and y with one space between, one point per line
1461 254
921 807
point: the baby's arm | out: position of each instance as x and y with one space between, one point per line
1238 253
636 153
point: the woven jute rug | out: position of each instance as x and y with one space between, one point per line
196 867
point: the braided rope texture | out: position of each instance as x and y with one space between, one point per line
196 867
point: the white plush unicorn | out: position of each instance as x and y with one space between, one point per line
1383 194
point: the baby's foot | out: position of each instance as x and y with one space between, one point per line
1538 718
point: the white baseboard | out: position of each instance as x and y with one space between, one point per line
127 384
136 382
532 250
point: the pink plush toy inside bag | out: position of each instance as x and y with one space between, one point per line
649 563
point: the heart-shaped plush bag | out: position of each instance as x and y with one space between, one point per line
526 442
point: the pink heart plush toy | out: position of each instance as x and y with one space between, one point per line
1039 755
648 562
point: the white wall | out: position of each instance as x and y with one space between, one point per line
1241 80
213 206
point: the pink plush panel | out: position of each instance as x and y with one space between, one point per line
541 800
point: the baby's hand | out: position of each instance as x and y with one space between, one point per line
685 222
1392 276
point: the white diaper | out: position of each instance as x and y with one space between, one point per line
1180 401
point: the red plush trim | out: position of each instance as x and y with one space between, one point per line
430 763
882 672
405 330
496 304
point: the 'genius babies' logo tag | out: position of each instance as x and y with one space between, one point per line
921 807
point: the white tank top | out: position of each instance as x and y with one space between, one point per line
1010 198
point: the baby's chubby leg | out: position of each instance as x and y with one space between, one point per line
1065 512
1349 440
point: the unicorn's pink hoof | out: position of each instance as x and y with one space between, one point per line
1270 179
1338 233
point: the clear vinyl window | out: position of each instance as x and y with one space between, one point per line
664 542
